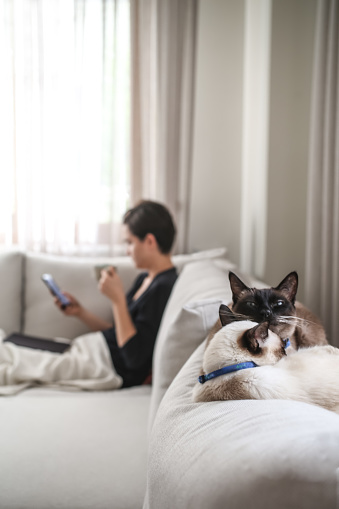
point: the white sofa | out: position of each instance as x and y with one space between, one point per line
63 449
151 445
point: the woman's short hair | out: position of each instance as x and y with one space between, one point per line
151 217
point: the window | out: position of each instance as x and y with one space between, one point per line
64 124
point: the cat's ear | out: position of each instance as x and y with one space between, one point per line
256 336
237 286
226 315
289 286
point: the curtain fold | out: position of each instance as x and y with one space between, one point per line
163 57
322 239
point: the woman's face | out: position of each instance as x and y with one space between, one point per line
135 248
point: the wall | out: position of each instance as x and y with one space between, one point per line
216 201
216 182
291 76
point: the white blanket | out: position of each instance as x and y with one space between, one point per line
87 365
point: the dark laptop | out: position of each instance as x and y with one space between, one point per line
38 343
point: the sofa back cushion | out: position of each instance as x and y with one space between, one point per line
77 275
11 263
72 274
193 308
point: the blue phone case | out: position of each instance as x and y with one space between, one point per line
53 287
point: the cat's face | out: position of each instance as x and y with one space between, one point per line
242 341
268 304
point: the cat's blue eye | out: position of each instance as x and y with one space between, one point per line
251 304
278 303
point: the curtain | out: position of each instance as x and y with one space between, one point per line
322 245
163 56
64 124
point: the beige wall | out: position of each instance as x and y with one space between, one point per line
291 76
216 183
215 216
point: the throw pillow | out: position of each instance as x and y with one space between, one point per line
190 313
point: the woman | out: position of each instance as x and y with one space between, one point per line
149 232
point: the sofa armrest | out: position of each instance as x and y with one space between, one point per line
11 274
253 453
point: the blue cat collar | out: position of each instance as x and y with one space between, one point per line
287 343
227 369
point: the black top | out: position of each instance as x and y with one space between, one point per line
133 361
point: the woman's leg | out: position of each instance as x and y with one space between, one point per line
86 364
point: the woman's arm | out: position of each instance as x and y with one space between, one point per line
124 327
111 286
76 309
94 322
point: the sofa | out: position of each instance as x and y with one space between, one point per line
151 446
63 448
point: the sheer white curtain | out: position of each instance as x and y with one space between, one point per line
322 253
64 123
163 49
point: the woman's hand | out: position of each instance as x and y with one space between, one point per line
111 285
73 309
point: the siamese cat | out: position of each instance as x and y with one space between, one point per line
246 360
277 306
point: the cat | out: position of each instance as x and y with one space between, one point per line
308 374
286 316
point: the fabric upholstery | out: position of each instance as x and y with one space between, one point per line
74 450
11 273
89 450
238 454
77 275
190 313
61 449
42 317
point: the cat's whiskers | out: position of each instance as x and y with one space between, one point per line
281 319
294 320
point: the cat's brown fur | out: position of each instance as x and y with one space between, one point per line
288 319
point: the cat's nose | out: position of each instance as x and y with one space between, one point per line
266 313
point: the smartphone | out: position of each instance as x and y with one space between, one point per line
53 287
